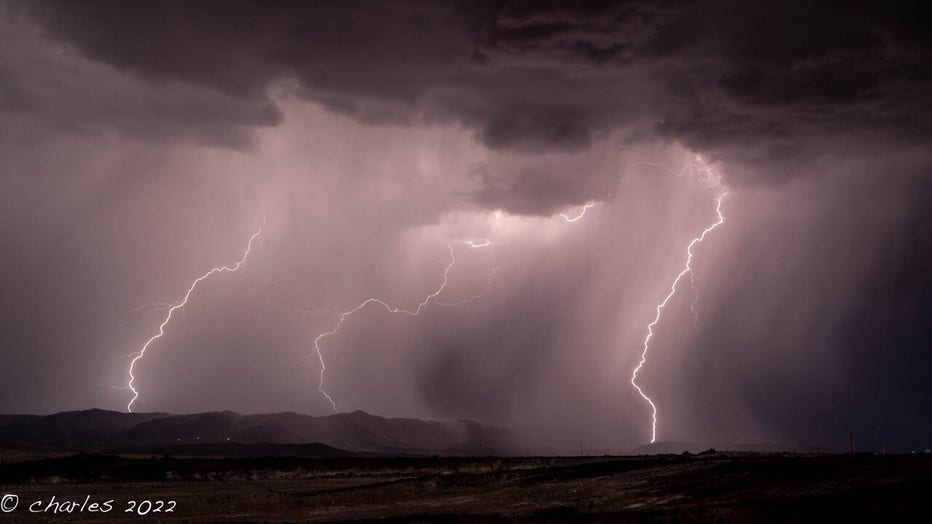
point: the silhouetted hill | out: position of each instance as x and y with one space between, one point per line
99 430
69 428
238 450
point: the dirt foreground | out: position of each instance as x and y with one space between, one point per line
709 487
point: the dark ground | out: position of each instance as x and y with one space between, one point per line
709 487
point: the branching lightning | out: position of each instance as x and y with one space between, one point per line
692 305
388 307
687 270
429 299
154 305
488 287
176 306
151 306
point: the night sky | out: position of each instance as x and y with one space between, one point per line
143 143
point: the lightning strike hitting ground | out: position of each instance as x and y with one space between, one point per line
687 269
176 306
581 214
389 308
417 311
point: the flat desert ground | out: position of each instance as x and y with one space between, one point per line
706 487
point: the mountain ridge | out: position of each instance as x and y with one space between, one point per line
357 431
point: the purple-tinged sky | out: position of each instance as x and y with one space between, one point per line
142 143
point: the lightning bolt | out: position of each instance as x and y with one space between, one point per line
153 305
488 287
388 307
176 306
692 305
687 269
474 244
705 174
581 214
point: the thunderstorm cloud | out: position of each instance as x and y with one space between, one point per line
141 143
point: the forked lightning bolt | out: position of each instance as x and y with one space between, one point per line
687 269
488 287
176 306
417 311
692 305
388 307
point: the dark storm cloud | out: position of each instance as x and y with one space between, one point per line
529 192
746 82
